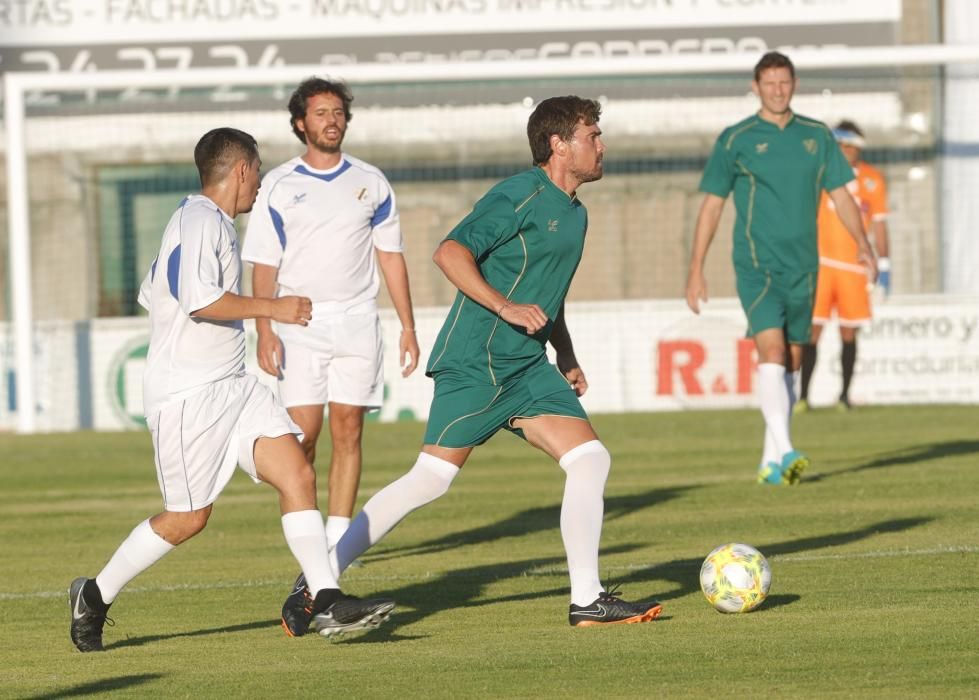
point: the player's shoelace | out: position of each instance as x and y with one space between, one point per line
89 628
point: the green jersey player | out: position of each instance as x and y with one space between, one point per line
777 163
512 260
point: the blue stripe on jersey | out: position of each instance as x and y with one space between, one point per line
173 272
153 268
325 177
382 212
279 225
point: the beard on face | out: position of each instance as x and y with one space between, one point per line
325 145
591 175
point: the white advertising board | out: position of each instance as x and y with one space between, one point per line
637 356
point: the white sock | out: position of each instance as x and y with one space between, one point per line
792 380
424 482
335 527
306 538
770 451
138 552
587 467
773 395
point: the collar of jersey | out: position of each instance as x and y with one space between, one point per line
772 125
554 190
326 175
209 201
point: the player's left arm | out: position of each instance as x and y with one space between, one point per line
395 272
878 228
389 246
567 363
849 213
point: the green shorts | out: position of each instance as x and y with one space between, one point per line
464 414
777 300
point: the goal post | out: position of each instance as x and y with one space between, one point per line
18 86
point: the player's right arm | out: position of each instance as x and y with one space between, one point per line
264 285
235 307
459 266
716 183
199 289
707 221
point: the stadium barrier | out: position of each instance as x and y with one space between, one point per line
637 356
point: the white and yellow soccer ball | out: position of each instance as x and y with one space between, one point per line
735 578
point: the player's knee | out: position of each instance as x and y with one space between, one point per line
304 479
591 455
309 448
182 526
347 433
432 476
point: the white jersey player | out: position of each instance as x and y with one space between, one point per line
324 223
205 414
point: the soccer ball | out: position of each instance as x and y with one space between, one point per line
735 578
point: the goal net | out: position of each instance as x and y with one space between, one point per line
96 163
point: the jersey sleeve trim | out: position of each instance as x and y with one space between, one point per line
389 248
382 212
279 225
255 260
173 273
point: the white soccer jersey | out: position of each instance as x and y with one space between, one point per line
198 262
320 228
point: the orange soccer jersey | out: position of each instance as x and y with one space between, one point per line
835 243
842 281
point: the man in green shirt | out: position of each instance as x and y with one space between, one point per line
512 260
776 163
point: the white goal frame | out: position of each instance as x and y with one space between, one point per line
18 84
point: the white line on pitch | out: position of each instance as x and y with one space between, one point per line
542 571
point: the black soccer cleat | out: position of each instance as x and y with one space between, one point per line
609 609
88 614
335 613
297 611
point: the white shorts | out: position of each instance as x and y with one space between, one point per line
199 440
337 358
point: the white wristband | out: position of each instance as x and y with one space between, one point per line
883 264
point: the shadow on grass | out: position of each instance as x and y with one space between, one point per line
684 574
150 638
465 588
777 601
99 687
906 456
532 520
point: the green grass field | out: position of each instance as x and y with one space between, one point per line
875 559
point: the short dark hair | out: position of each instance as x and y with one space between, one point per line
773 59
560 116
848 125
219 149
310 88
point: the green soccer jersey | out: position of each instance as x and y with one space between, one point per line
777 176
527 236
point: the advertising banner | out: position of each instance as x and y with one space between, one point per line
90 35
636 355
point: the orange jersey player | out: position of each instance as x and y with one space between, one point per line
843 284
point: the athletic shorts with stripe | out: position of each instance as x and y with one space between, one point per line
464 414
773 299
199 440
844 290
